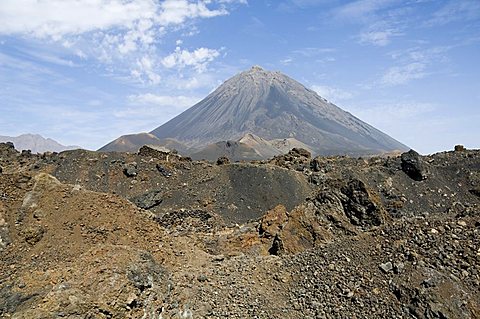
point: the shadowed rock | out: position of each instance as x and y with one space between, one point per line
414 166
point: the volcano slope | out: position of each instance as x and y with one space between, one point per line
265 111
155 235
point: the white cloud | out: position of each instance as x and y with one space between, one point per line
144 70
122 35
402 74
286 61
378 38
177 11
56 18
332 94
163 100
198 58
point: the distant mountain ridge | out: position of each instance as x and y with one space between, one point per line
36 143
275 108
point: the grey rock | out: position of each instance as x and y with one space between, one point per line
386 267
130 169
398 267
10 300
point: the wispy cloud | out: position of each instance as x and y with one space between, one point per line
455 10
379 21
361 10
402 74
413 64
378 38
332 94
286 61
312 52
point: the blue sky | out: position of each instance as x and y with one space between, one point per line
84 72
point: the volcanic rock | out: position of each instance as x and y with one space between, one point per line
295 237
414 166
148 200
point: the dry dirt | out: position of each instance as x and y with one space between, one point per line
154 235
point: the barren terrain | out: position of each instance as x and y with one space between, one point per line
156 235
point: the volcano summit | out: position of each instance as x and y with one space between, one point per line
274 107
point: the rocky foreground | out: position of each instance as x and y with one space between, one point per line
155 235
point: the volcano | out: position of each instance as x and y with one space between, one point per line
274 107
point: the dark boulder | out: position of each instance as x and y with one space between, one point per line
164 171
414 166
223 160
148 200
361 205
475 191
26 153
151 152
315 165
8 149
300 152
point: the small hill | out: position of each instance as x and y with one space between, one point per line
234 150
133 142
286 144
263 147
36 143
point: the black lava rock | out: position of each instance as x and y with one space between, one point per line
414 166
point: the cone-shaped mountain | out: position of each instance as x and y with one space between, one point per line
272 106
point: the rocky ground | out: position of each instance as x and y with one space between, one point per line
155 235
